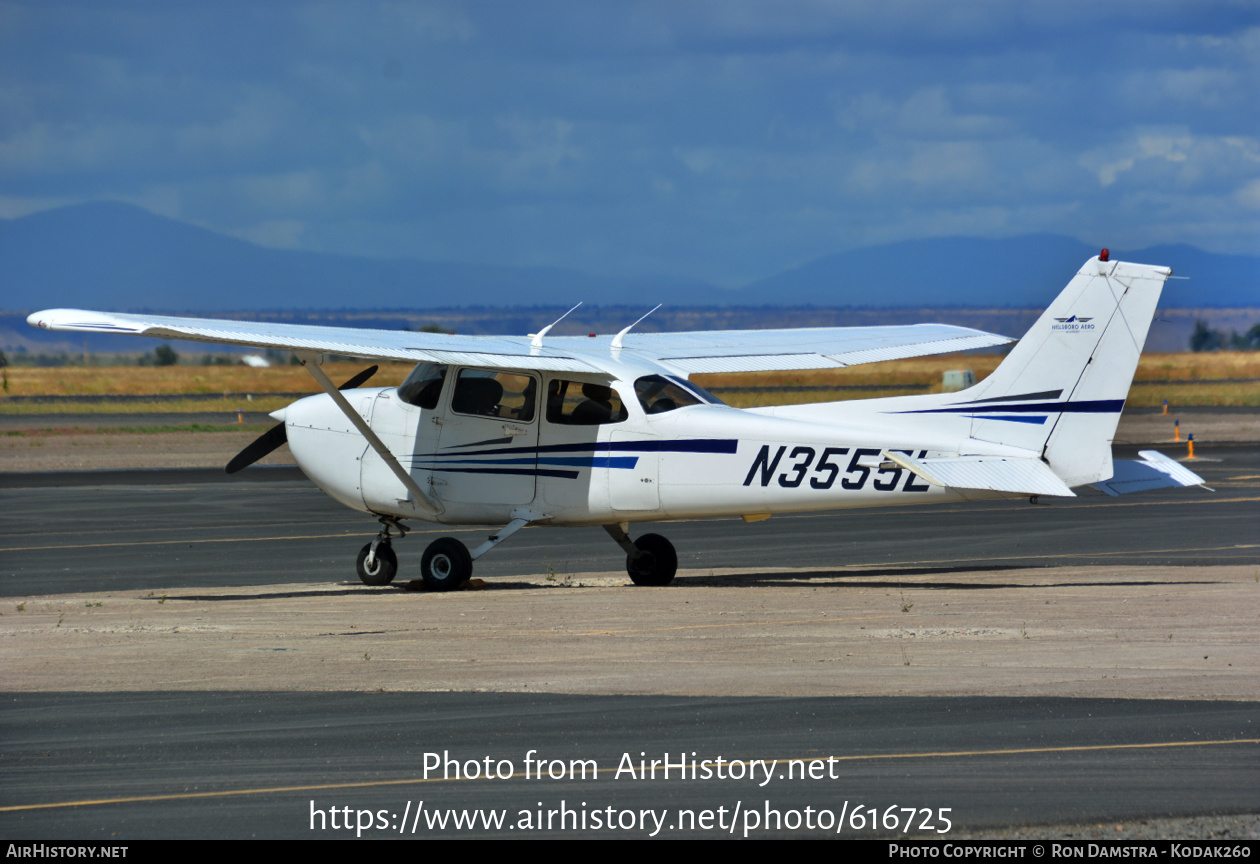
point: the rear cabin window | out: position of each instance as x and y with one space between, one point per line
504 395
574 403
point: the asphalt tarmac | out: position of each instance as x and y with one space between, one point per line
274 765
171 762
151 530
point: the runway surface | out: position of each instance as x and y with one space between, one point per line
142 764
154 532
273 765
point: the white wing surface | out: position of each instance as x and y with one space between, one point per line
680 353
496 352
803 348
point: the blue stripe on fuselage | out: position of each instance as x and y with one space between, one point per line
1096 406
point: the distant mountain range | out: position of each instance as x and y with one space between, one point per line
1024 272
117 256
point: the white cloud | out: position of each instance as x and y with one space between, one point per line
252 126
283 193
16 208
712 138
545 145
274 234
1249 195
1109 163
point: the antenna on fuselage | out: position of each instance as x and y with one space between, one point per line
536 342
616 343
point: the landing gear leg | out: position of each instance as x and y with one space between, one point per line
377 564
650 560
447 563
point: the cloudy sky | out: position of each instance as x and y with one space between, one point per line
717 140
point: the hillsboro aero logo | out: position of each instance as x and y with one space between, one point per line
1073 324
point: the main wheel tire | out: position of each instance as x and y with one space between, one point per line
446 564
384 565
656 565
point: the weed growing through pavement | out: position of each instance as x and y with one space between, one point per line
554 576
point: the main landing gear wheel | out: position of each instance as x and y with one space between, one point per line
384 564
446 564
657 562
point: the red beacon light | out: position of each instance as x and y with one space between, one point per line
1104 255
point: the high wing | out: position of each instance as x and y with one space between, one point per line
688 353
681 353
496 352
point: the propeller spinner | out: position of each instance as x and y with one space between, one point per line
276 435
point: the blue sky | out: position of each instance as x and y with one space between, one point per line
722 141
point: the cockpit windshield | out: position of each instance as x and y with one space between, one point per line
660 393
423 386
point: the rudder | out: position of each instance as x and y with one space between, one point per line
1061 389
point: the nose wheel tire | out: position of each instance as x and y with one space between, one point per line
446 564
384 565
657 562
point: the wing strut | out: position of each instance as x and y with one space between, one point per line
421 499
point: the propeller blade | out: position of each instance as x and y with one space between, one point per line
268 441
276 435
360 378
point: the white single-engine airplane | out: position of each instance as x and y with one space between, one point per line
607 431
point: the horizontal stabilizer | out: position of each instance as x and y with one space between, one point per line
1153 471
991 473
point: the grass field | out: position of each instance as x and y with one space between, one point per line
183 380
1182 379
1197 379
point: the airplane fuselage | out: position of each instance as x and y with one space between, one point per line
696 461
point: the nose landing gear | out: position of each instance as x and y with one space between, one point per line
383 565
377 564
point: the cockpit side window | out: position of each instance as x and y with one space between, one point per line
658 394
488 393
573 403
423 386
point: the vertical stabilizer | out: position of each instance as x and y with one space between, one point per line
1061 389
